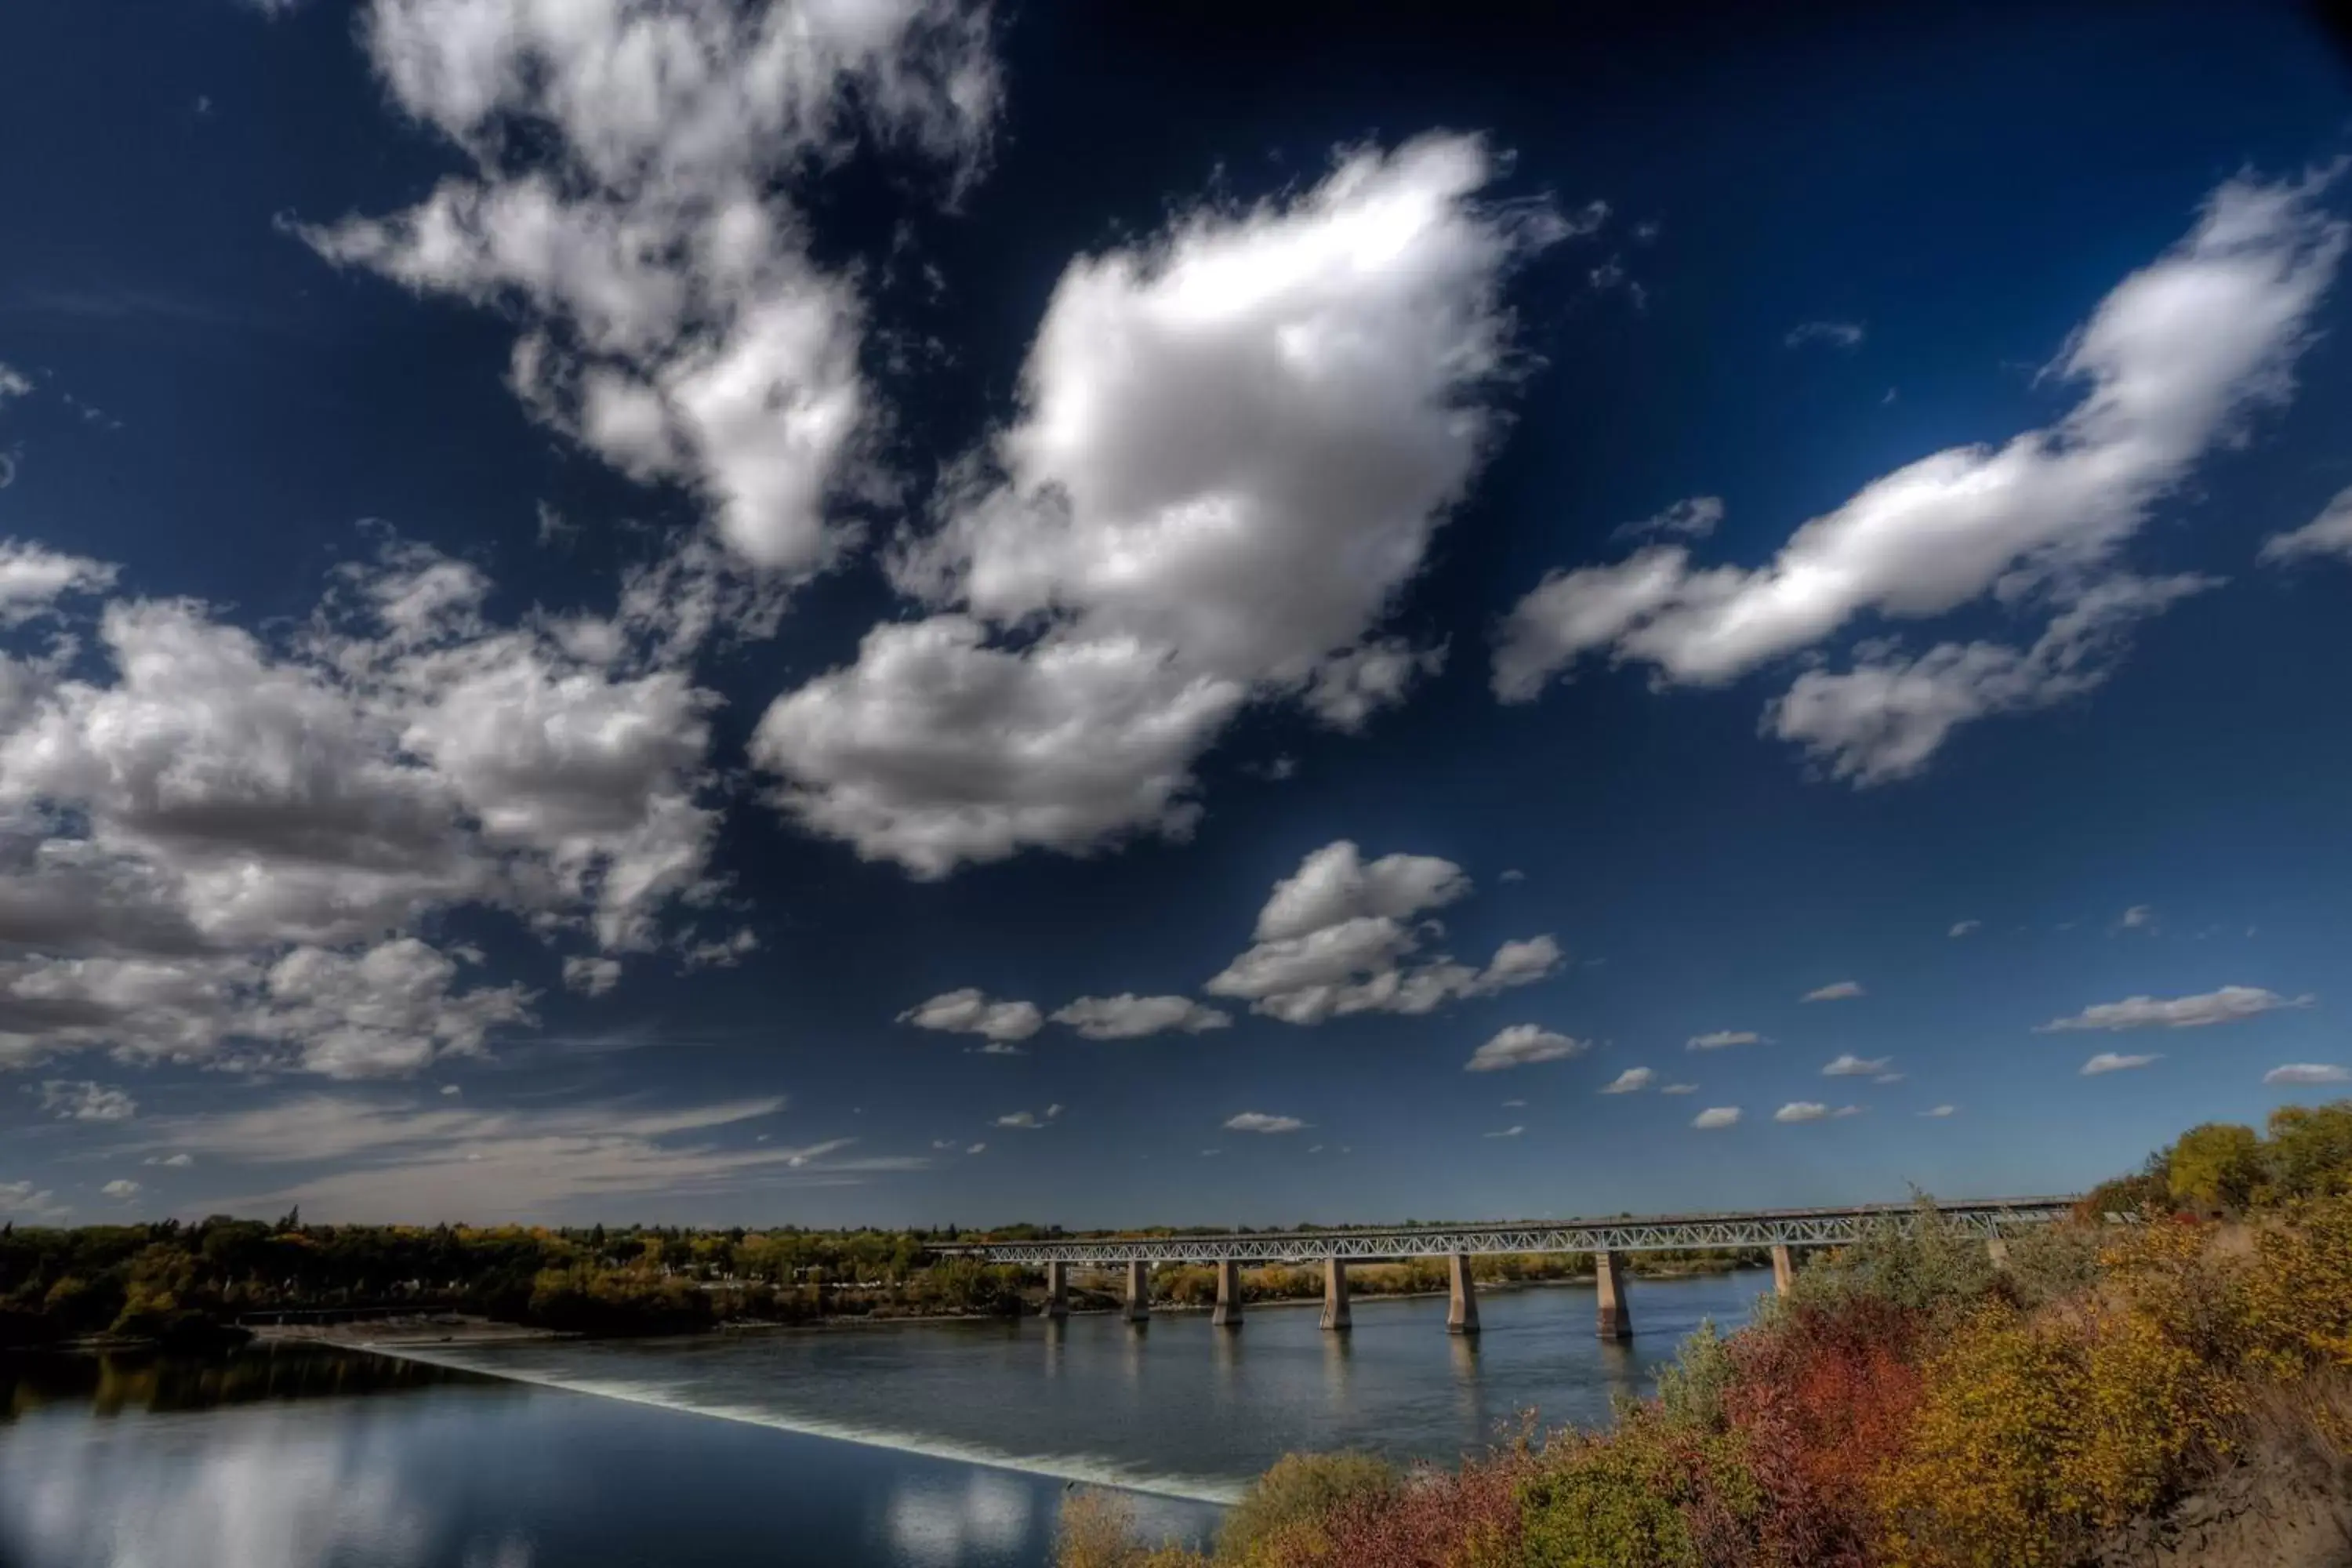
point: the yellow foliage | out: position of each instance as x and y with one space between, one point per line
2036 1433
2299 1292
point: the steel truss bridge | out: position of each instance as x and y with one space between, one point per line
1988 1218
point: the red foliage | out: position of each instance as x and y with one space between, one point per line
1822 1399
1433 1521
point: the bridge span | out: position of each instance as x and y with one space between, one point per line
1782 1231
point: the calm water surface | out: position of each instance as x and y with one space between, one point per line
932 1445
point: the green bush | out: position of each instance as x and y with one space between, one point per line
1300 1490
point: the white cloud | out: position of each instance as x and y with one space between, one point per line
2227 1005
1844 1111
590 976
33 578
1848 1065
1519 1044
23 1199
1207 421
1512 874
1888 1077
1940 1111
627 205
1801 1111
1965 928
2171 363
721 953
2111 1061
1694 518
1720 1038
14 383
120 1187
2308 1073
173 1161
1029 1120
1126 1017
1507 1133
1678 1088
971 1012
2139 917
1258 1121
977 1149
1836 991
1338 937
1885 717
87 1101
1630 1081
1716 1116
2327 535
400 1160
1836 334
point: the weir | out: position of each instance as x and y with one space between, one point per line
1781 1231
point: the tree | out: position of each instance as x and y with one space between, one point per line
2310 1151
2215 1167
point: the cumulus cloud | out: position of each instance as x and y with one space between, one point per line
1836 334
1630 1081
2170 363
1339 936
207 825
2227 1005
628 204
1234 444
1720 1038
33 1203
1848 1065
2111 1061
1258 1121
34 578
1801 1111
1965 928
1522 1044
1126 1017
120 1187
2327 535
971 1012
1716 1116
1836 991
2308 1073
87 1101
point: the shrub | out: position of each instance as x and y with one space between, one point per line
1648 1495
1294 1497
2215 1168
1935 1266
2298 1291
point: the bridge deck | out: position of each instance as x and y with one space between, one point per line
1655 1233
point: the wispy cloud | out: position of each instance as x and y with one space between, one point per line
2227 1005
1630 1081
1508 1133
1965 928
2113 1061
1836 991
1720 1038
1258 1121
1836 334
1939 1111
1852 1065
1521 1045
2308 1073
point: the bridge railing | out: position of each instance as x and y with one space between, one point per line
1989 1218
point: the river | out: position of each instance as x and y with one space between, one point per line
927 1445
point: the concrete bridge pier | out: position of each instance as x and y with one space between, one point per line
1784 1269
1616 1318
1057 1289
1462 1299
1335 1293
1138 1291
1228 1314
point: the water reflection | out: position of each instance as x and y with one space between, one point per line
941 1523
112 1384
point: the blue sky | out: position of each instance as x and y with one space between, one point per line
608 609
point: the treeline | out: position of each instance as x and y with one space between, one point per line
2174 1389
182 1283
